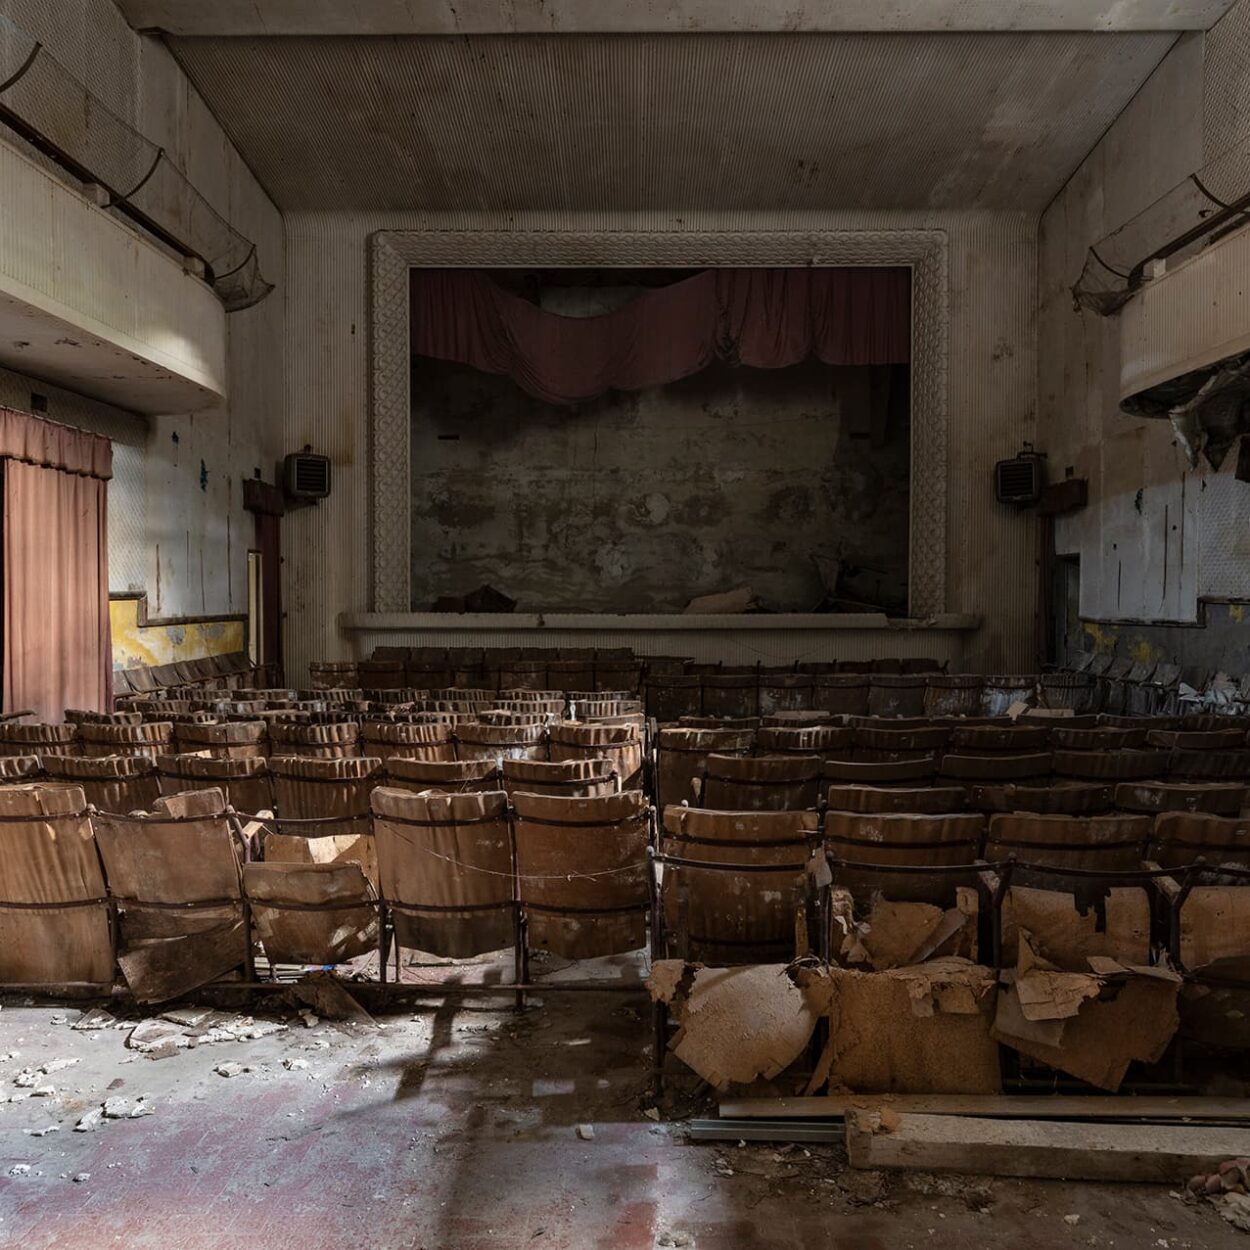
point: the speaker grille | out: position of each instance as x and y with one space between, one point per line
307 476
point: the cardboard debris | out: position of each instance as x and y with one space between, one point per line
895 935
1090 1025
919 1029
1066 936
736 1024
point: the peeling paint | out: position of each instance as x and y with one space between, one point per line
135 644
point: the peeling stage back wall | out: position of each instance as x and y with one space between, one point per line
638 501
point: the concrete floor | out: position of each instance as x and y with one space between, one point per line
453 1125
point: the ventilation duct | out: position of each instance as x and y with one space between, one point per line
45 105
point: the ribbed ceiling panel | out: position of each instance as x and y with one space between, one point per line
639 123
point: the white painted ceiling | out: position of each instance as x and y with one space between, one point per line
722 121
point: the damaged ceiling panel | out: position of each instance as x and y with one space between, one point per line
725 121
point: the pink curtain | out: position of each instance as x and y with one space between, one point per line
57 651
767 318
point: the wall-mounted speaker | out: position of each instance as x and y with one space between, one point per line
306 475
1020 480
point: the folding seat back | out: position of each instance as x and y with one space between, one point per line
54 912
998 739
245 783
380 674
897 843
152 738
739 883
619 675
907 773
682 753
1098 738
1209 764
810 719
957 694
1072 798
229 740
450 777
311 913
1109 843
873 743
1216 798
592 707
323 812
731 693
896 694
843 694
999 767
926 800
19 770
1197 739
1000 691
784 691
827 741
1179 838
478 741
389 740
445 869
40 740
1077 691
582 872
509 716
333 674
174 877
339 740
673 695
622 744
572 779
112 783
718 722
759 783
552 702
1113 765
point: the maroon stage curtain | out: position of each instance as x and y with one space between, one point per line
767 318
57 651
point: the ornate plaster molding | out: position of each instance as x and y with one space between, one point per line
394 252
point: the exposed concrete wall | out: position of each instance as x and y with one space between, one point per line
639 501
1153 540
991 390
177 526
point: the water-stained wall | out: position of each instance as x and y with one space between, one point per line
639 501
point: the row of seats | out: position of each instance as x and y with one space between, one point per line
510 737
563 668
177 896
778 769
180 895
213 672
306 788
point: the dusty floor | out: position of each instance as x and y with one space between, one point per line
454 1124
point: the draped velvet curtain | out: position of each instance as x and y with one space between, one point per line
57 651
768 318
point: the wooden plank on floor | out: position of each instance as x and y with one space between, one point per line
996 1106
1157 1154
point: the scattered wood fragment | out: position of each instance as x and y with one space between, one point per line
1156 1154
997 1106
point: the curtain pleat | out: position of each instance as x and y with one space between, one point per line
57 651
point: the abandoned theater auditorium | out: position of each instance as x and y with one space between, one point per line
624 624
